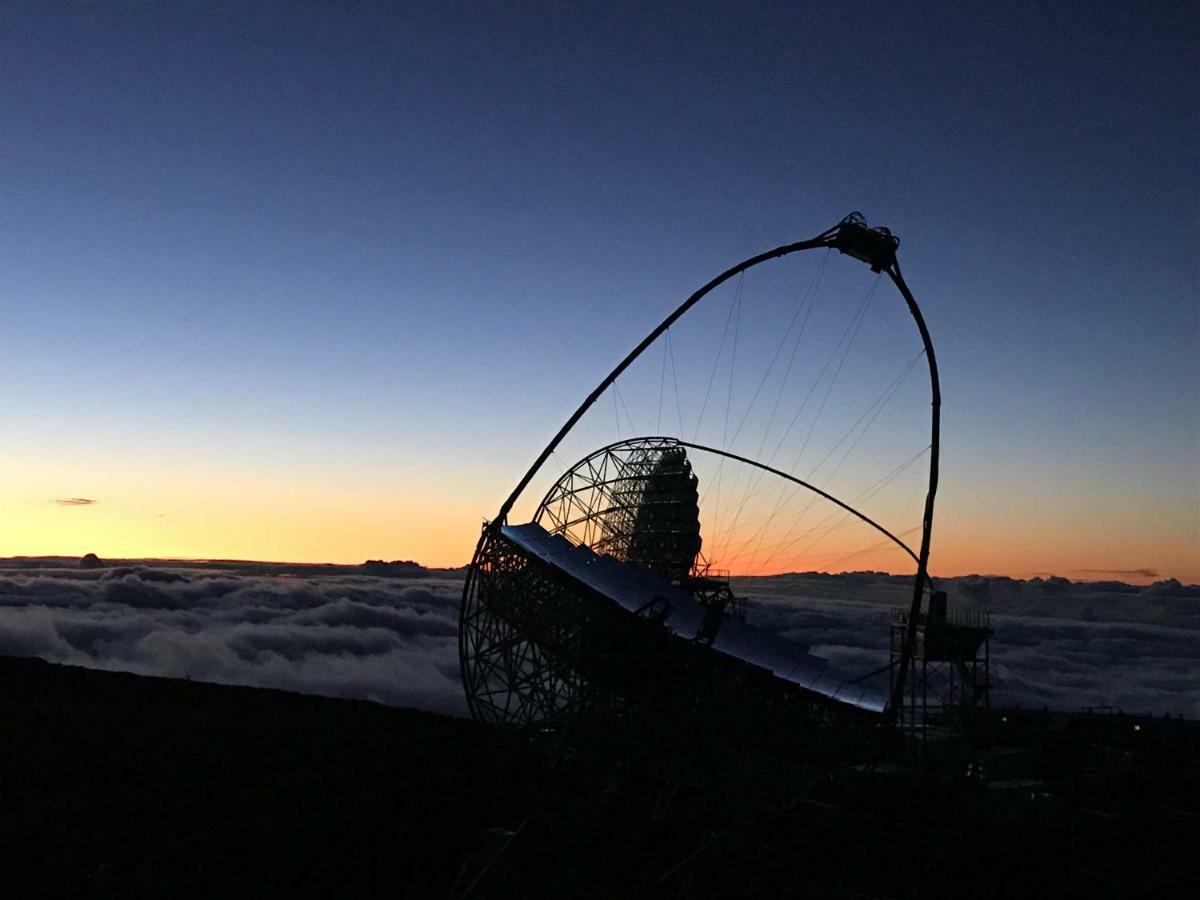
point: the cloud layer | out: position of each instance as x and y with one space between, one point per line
392 638
1057 644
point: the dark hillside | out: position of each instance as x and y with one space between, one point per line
116 785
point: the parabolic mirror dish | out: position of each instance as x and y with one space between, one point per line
588 605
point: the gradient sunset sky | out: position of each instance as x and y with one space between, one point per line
308 281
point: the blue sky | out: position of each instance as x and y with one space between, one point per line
316 243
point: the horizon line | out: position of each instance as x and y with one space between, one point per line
113 561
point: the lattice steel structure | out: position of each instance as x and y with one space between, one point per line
949 669
540 647
546 628
636 501
524 630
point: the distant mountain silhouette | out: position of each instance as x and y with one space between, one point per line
395 567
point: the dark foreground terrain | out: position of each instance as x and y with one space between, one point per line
115 785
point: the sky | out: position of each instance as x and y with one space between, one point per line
318 281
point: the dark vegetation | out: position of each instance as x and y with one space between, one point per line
115 785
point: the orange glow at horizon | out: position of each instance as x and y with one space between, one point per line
147 515
992 548
140 514
350 533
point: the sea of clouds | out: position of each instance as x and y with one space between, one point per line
388 639
1058 644
392 637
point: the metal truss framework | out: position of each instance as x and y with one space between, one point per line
536 646
523 632
636 501
529 633
545 651
949 670
500 643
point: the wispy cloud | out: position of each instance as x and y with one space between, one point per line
1140 573
75 501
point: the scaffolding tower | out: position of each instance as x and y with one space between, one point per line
948 685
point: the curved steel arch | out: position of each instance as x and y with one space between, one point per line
825 239
555 490
814 489
851 236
